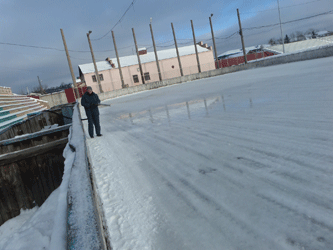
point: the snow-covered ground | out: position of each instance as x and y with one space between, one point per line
239 161
302 45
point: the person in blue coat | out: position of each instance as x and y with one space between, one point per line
90 101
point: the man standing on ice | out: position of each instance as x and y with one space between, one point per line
90 101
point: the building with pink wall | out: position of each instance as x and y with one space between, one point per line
109 72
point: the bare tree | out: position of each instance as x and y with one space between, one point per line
292 37
311 31
272 41
287 39
300 36
22 92
38 89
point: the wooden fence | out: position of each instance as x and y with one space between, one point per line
240 59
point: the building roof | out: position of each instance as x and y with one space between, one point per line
239 52
133 59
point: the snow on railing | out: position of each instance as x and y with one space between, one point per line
84 225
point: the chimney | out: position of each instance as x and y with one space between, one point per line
110 61
142 51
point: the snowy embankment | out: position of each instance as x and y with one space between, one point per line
46 227
239 161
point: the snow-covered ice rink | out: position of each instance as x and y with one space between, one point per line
239 161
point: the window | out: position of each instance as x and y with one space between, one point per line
135 78
101 78
147 76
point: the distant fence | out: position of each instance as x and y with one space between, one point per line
70 94
321 52
240 59
62 97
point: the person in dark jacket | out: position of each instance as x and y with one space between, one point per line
90 101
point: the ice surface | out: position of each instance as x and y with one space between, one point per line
239 161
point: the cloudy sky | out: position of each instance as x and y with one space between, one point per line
31 43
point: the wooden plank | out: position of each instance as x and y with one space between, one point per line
34 135
24 153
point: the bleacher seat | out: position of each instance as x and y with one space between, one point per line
15 108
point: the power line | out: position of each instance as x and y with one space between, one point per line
31 46
292 21
227 36
132 4
56 49
285 7
189 40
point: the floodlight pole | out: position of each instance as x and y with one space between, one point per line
242 38
76 91
118 60
281 26
138 55
155 51
93 58
179 62
195 47
211 27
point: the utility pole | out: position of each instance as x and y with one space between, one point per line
281 26
40 85
76 92
211 27
157 64
174 37
119 66
195 46
93 58
137 53
241 34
